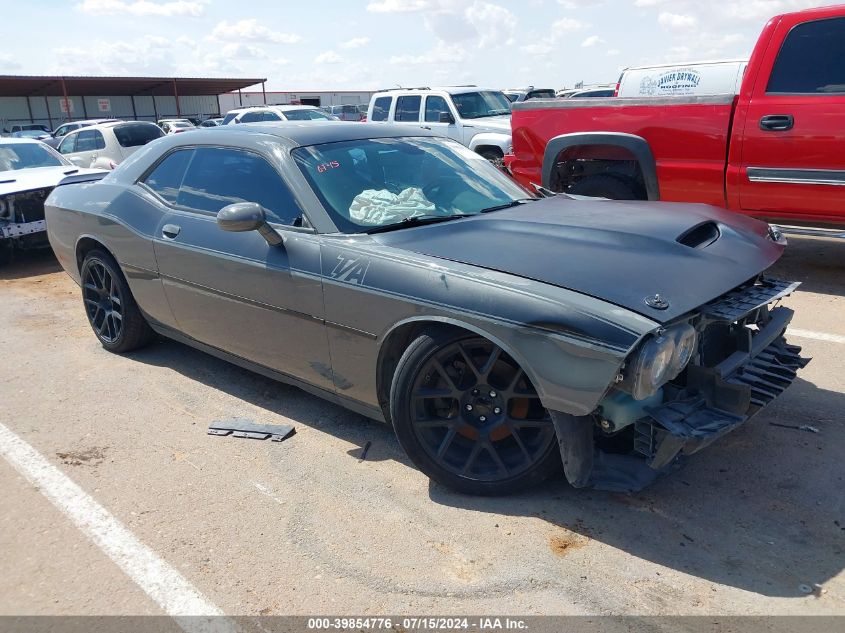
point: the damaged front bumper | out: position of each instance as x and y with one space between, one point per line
718 399
743 364
13 230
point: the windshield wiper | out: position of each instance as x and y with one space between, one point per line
416 220
507 205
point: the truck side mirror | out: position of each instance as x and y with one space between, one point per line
446 117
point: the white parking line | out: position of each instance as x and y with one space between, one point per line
161 582
818 336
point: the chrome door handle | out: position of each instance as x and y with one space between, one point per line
170 231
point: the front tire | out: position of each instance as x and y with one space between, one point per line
469 418
112 312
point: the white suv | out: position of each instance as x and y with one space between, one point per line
256 114
106 145
477 117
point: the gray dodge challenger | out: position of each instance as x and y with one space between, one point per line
505 334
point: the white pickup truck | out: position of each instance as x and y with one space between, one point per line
476 117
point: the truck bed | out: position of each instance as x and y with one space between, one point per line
688 136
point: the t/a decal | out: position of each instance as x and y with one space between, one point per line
350 270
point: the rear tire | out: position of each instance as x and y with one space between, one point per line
112 312
605 186
469 418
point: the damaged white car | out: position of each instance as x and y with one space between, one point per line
29 170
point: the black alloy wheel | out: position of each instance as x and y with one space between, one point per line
470 418
112 312
102 302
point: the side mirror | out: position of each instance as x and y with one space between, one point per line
446 117
247 216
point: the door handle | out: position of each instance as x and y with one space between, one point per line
170 231
777 122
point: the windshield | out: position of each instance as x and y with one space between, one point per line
371 183
229 116
307 115
25 155
475 105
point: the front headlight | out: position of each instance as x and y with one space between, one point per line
649 367
686 340
658 360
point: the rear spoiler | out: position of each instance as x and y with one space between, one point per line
75 179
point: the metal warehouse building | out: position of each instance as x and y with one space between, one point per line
54 100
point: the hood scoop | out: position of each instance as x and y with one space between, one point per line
700 236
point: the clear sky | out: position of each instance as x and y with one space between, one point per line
368 44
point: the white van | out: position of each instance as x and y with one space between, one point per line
691 78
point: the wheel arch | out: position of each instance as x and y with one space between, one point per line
87 243
491 140
394 342
611 142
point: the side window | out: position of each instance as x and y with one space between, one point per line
86 141
810 60
167 176
381 108
269 115
99 141
408 108
220 176
252 116
434 105
68 144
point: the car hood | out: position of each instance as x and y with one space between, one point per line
17 180
618 251
494 123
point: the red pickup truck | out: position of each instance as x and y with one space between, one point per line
775 151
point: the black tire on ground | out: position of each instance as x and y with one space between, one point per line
111 309
7 252
605 186
469 418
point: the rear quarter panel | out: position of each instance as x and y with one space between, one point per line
688 137
122 222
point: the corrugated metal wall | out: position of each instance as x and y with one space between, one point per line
233 100
48 111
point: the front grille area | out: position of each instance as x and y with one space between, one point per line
743 364
770 373
28 206
745 299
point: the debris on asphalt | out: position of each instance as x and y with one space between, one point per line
364 451
239 427
805 588
797 427
818 590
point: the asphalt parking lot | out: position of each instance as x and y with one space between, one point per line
306 526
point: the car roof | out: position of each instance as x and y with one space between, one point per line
17 140
452 90
299 133
282 107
